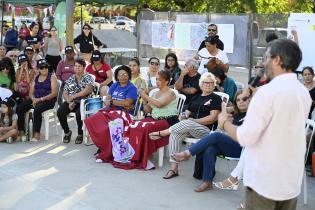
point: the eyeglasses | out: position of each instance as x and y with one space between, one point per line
13 56
213 30
43 67
5 68
208 83
154 63
86 29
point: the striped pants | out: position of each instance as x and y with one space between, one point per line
182 130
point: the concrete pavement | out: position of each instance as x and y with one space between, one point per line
53 175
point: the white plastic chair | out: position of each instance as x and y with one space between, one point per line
180 104
240 86
310 126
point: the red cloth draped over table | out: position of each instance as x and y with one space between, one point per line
137 131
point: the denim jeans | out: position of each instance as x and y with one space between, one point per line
210 147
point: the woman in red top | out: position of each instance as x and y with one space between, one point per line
24 31
101 71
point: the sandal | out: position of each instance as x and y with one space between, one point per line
241 206
231 185
67 137
170 174
79 139
153 136
203 187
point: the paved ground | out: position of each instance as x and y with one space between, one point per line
53 175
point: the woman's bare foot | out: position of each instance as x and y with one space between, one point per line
204 186
182 156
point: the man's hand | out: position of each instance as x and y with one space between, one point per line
184 72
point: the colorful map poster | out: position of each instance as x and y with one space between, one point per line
163 35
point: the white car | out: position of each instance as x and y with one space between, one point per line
125 25
27 20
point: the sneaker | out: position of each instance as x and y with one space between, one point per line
67 137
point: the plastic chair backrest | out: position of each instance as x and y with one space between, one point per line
113 71
180 103
225 97
240 86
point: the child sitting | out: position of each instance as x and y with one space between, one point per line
8 121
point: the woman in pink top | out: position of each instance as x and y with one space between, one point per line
65 69
101 71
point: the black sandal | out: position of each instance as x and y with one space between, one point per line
170 174
79 139
67 137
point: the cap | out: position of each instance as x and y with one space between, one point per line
29 48
69 49
96 55
8 102
22 58
41 62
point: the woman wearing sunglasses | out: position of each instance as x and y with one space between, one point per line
52 48
7 73
88 42
43 95
150 77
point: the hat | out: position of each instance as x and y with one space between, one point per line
69 49
41 62
96 55
29 48
9 102
22 58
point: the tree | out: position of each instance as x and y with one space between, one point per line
85 14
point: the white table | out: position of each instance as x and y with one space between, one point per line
119 52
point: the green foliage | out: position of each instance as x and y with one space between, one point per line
232 6
85 14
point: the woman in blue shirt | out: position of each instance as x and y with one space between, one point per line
122 94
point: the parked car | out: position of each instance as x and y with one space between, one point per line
27 20
122 19
125 25
99 20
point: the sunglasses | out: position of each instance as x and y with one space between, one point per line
154 63
5 68
13 56
213 30
241 99
43 67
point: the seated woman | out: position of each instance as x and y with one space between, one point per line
7 73
43 95
24 77
224 83
122 94
172 66
162 104
215 144
77 87
102 72
136 79
201 117
8 121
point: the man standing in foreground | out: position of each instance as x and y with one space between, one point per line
273 132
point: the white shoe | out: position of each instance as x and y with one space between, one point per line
34 140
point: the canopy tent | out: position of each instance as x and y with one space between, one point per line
45 2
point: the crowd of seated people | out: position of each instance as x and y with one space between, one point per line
38 90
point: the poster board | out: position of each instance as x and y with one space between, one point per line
189 35
304 24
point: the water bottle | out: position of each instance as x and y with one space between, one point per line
30 129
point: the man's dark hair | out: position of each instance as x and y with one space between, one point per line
212 24
271 36
289 52
125 68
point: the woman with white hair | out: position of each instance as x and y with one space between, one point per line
199 119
